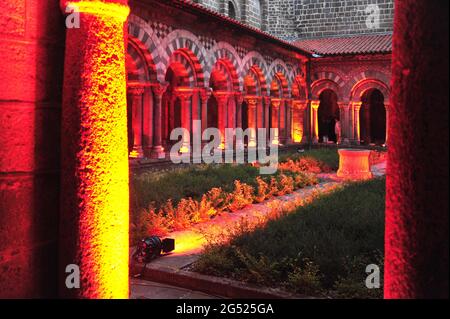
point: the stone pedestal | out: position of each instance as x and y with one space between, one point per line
354 164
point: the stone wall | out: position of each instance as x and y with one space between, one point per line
31 74
294 19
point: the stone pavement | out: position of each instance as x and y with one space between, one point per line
142 289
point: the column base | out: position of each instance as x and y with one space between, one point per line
158 152
137 152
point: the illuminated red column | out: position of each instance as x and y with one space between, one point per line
315 121
136 111
289 121
343 118
205 94
158 91
185 95
251 103
94 215
266 100
387 107
222 104
239 100
356 109
416 251
275 107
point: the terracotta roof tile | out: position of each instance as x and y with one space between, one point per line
362 44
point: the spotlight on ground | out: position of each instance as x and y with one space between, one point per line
153 247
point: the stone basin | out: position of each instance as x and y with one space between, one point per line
354 164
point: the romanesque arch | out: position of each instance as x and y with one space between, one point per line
143 34
370 103
187 42
255 62
278 73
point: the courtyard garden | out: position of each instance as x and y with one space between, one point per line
316 243
175 199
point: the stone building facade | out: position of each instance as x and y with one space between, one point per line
295 19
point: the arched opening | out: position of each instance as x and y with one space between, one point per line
372 118
140 72
328 113
231 10
213 113
175 76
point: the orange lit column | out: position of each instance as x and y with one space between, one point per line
185 94
266 100
222 106
275 108
136 94
298 109
158 91
356 106
315 121
239 98
252 102
343 118
289 121
205 94
387 106
259 113
94 215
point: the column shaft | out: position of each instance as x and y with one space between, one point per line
94 215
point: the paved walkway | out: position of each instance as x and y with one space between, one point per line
142 289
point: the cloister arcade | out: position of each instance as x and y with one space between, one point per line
174 79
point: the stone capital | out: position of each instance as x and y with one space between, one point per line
184 94
356 105
113 9
251 101
343 105
315 104
222 96
276 102
205 94
159 89
135 90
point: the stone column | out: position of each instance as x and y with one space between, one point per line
315 121
252 102
239 97
222 103
298 110
289 105
205 94
266 100
158 91
282 122
275 108
387 106
94 214
136 94
356 123
343 115
417 212
185 95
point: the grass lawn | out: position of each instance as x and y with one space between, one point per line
322 249
326 156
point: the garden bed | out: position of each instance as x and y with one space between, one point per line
175 200
321 249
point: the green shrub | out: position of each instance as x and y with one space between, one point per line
347 225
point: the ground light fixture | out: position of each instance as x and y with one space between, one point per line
150 248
